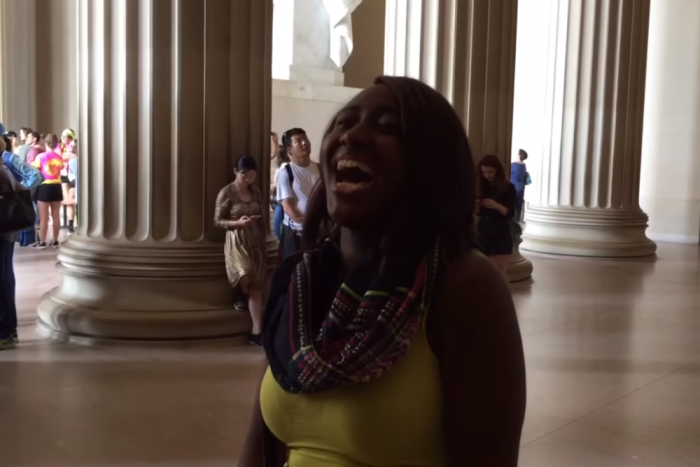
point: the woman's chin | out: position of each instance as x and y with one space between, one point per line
354 217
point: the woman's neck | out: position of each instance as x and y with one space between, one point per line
355 246
240 186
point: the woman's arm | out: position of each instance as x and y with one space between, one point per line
505 204
252 455
476 337
223 201
222 210
253 449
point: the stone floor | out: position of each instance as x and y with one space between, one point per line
613 357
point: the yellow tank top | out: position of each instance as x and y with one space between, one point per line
393 421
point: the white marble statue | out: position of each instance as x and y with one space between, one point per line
339 13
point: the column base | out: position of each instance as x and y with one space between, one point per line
519 268
145 292
603 233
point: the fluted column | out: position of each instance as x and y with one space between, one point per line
3 59
466 50
18 63
171 92
587 203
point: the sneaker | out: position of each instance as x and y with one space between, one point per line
39 246
241 303
53 244
8 343
255 339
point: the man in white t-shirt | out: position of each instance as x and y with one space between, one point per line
295 182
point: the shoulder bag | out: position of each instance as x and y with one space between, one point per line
16 208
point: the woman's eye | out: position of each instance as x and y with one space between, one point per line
343 122
389 126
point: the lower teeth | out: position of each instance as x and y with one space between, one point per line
349 185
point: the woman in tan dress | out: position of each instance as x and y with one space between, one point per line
239 211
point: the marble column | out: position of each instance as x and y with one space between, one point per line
466 50
18 58
171 92
587 203
3 60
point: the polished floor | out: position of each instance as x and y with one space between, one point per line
613 358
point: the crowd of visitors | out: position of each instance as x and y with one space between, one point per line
48 167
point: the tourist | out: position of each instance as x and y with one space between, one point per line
28 176
64 149
496 206
49 195
15 143
24 133
69 155
24 136
73 186
294 186
281 160
8 306
239 210
67 137
392 341
520 178
36 147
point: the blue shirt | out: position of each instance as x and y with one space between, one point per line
24 173
518 176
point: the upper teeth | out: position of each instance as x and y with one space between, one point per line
348 163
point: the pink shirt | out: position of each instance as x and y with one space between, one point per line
50 165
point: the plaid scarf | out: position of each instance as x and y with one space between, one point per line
323 332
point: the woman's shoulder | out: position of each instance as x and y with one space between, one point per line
470 266
227 190
472 289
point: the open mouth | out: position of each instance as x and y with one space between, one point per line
352 175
